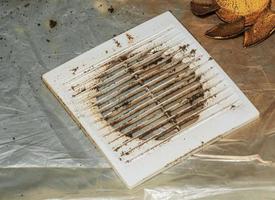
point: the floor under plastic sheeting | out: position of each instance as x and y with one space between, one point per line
44 155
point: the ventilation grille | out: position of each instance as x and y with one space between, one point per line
149 97
149 94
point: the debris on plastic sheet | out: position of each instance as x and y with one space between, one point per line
52 23
111 9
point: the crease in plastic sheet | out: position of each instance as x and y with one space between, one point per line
44 155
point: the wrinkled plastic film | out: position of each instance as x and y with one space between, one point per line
44 155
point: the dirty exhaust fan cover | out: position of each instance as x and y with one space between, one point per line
149 97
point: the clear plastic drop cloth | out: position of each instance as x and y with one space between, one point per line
44 155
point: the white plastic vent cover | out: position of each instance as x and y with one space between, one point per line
149 97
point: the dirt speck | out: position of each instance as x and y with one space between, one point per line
126 103
26 5
74 86
117 43
232 107
52 23
74 70
79 92
122 58
111 9
193 52
47 40
86 71
183 47
129 37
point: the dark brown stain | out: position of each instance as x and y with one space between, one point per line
111 9
97 88
184 47
86 71
126 103
117 43
177 121
73 87
79 92
52 23
74 70
158 60
123 57
130 38
193 52
194 97
233 107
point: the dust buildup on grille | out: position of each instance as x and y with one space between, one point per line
155 95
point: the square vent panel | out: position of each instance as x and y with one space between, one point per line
149 97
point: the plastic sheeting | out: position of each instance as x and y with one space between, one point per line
44 155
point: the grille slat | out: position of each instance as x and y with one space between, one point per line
155 78
151 101
154 40
132 55
157 107
194 92
183 111
165 132
145 64
188 81
137 73
149 84
128 68
157 89
156 99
